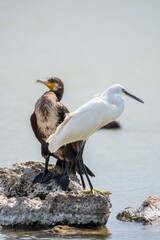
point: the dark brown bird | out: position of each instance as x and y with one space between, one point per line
47 115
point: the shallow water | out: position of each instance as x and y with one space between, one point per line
89 45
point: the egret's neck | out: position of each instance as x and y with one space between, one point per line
117 103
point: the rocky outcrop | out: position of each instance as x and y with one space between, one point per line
24 203
147 213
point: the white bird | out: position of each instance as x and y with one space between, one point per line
87 119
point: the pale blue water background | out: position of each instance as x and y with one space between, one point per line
89 45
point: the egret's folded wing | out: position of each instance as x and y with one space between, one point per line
84 125
60 127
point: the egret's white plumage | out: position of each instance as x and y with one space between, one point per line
83 122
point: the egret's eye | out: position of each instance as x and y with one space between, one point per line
123 90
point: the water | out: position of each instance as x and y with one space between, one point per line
89 45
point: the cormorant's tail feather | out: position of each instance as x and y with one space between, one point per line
90 173
61 163
74 167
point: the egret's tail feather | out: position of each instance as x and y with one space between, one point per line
59 128
51 137
54 145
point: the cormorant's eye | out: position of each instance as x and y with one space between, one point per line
51 81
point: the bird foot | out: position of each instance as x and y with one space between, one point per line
62 179
94 190
43 177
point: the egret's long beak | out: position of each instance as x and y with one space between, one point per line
132 96
48 84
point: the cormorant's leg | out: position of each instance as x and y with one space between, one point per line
44 176
63 179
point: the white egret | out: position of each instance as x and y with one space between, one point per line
90 117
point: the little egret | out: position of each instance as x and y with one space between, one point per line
90 117
47 115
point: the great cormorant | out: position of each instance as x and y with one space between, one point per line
47 115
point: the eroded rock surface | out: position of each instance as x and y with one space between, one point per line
147 213
24 203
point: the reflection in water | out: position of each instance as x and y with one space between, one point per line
89 45
70 232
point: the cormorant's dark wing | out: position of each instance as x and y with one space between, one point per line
63 112
33 121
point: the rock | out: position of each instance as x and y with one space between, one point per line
25 204
68 231
147 213
112 125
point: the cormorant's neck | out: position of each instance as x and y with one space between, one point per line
58 93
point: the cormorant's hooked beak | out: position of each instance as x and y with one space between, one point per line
132 96
48 84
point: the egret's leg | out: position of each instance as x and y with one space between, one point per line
79 160
105 192
90 184
81 176
86 174
44 176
